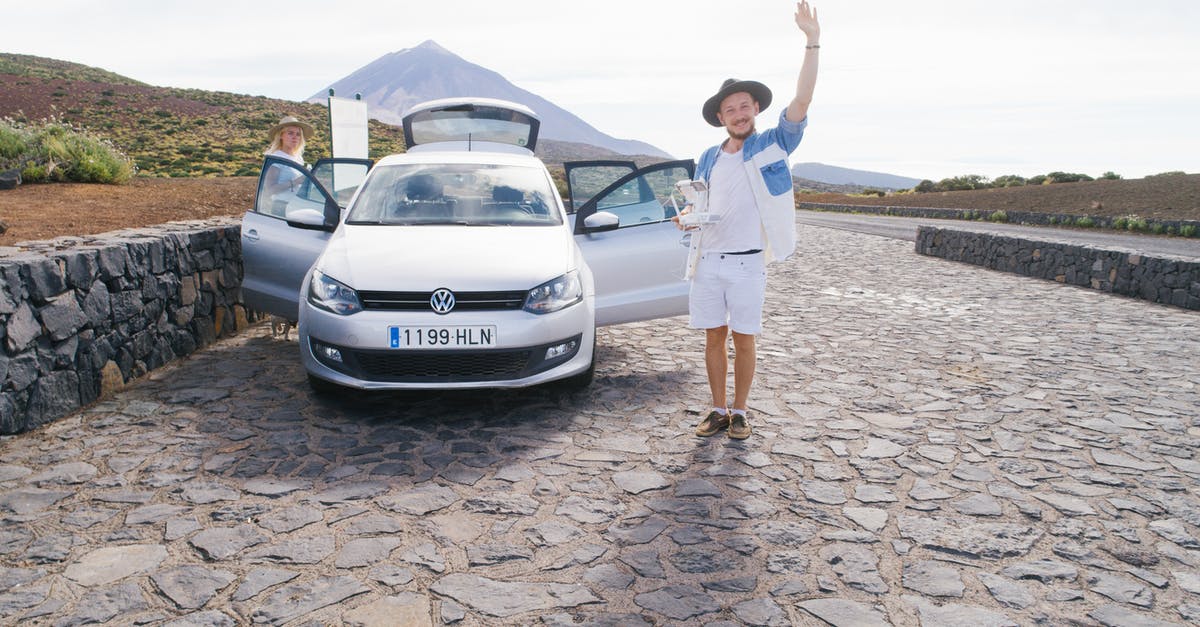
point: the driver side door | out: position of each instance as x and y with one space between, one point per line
638 265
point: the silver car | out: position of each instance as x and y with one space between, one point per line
457 264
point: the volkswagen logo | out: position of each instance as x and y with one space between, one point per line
442 301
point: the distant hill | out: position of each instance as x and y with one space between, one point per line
41 67
851 178
393 83
167 131
1167 196
190 132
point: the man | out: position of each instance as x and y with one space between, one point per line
750 188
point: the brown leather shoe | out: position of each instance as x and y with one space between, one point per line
711 424
739 429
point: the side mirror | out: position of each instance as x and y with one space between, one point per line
310 218
601 221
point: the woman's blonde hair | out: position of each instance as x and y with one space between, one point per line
277 141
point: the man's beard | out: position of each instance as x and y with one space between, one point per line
740 136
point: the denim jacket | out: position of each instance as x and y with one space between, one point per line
765 158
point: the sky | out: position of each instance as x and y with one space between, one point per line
923 89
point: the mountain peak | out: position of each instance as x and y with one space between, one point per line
430 46
393 83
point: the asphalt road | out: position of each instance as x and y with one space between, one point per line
906 229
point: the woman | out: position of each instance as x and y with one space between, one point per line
287 141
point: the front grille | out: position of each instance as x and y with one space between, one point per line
442 365
463 301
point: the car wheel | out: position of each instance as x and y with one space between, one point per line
582 380
322 387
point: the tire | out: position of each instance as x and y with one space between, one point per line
581 381
321 387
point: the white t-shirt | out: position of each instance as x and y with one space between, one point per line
286 175
730 196
287 155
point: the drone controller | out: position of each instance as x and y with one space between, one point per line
693 193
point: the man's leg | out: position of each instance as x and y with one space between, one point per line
744 355
716 362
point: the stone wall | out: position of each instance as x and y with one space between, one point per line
1130 273
83 316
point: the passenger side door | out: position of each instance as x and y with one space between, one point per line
293 216
638 265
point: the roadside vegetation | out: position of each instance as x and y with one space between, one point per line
166 132
53 151
976 181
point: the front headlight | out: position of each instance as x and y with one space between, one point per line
332 296
554 295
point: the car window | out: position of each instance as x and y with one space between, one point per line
586 182
467 121
284 188
341 179
646 199
463 194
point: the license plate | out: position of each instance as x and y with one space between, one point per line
442 337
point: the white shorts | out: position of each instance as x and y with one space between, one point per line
728 290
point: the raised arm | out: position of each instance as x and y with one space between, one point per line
806 20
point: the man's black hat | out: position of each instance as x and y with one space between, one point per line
757 90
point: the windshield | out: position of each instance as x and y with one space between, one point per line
469 194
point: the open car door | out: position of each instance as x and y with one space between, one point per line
293 216
636 253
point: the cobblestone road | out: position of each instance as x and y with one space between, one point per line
936 444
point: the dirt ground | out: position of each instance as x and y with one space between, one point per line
1164 197
36 212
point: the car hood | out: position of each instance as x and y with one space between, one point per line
461 258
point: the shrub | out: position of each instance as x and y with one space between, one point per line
33 173
965 182
1188 230
1110 176
1009 180
12 143
1085 222
50 151
873 192
1130 223
998 216
1067 177
924 187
